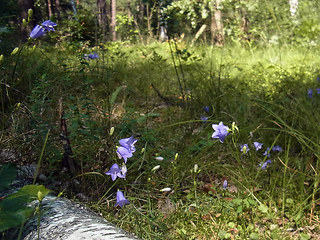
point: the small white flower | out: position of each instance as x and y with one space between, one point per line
159 158
195 168
167 189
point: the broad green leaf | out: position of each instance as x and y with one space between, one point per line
304 236
263 208
254 236
30 191
223 234
114 95
8 173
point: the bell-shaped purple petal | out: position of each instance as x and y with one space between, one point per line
310 93
225 184
267 152
257 145
124 153
265 164
115 172
221 131
244 148
206 109
37 31
48 25
277 148
128 143
93 55
121 200
204 118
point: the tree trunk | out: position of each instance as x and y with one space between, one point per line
219 24
49 5
58 8
102 12
113 19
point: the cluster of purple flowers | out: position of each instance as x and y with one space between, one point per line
40 30
310 92
244 148
204 118
124 151
93 55
221 132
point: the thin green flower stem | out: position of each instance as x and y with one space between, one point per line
40 158
284 180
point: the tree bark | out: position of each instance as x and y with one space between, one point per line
58 8
113 19
24 6
102 12
49 5
219 24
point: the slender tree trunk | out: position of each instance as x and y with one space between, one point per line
49 5
213 28
102 12
219 24
113 19
58 8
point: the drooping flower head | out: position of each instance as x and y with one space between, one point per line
124 153
204 118
267 152
38 31
221 131
310 92
244 148
128 143
48 25
257 145
265 164
206 109
121 200
225 184
277 148
115 172
93 55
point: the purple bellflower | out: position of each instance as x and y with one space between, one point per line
221 131
93 55
38 31
206 109
318 90
267 152
48 25
128 143
265 164
277 148
115 172
204 119
124 153
244 148
121 200
257 145
310 92
225 184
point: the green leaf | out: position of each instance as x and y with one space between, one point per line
30 192
254 236
304 236
223 234
263 208
14 212
114 95
8 173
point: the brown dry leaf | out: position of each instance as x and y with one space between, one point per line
209 187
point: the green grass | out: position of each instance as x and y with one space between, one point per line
263 91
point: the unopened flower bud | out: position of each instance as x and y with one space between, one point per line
30 14
155 168
234 127
142 150
24 23
159 158
111 131
14 51
1 58
176 156
195 168
34 47
40 196
167 189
